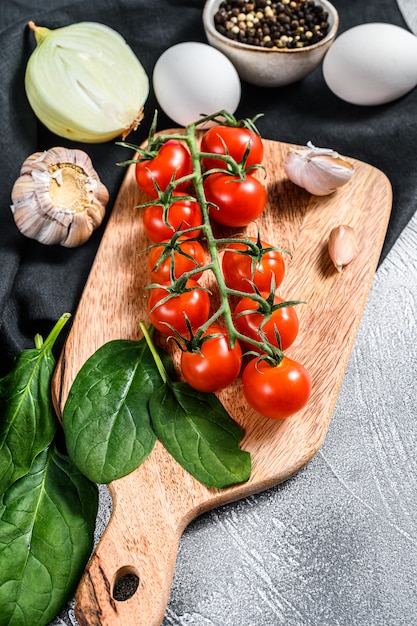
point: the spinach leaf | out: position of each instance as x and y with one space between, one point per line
106 420
27 418
47 521
199 433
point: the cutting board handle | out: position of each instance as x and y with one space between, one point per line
139 546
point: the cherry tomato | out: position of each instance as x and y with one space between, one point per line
238 201
284 319
193 303
276 391
237 267
181 215
236 141
217 366
173 157
190 255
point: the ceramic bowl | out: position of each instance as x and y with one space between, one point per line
266 67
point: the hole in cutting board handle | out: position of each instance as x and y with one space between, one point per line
125 584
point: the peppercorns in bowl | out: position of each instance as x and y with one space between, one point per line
271 43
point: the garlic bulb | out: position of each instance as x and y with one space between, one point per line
58 197
318 170
85 83
342 246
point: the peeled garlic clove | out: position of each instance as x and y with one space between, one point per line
58 197
85 83
320 171
342 246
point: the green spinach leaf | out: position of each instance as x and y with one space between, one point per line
106 420
47 521
199 433
27 418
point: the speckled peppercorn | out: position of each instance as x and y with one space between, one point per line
269 24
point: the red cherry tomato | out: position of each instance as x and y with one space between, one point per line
284 319
237 267
237 201
193 303
172 158
181 215
276 391
186 257
217 366
234 141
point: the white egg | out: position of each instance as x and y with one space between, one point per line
192 78
372 64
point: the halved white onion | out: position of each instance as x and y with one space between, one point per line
85 83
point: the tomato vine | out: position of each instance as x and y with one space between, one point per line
223 186
255 248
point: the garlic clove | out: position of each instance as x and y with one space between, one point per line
58 197
320 171
82 227
342 246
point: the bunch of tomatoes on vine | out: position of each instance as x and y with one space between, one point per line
198 182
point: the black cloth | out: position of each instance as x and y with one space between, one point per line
38 283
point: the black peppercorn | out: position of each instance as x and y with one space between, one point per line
286 24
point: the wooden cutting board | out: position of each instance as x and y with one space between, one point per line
153 505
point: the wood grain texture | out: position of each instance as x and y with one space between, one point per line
153 505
